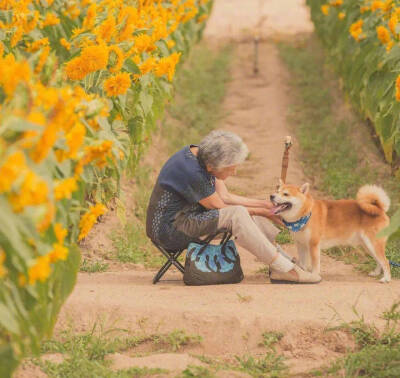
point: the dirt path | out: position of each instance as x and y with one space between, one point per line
229 325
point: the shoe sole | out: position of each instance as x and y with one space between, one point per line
292 282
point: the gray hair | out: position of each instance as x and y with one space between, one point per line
220 149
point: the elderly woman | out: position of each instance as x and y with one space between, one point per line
191 201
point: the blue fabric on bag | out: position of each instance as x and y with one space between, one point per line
212 258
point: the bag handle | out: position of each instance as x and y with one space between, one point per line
225 238
206 242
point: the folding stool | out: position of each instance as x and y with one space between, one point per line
172 257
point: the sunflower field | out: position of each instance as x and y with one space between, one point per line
363 41
82 84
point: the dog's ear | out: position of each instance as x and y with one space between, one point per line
305 188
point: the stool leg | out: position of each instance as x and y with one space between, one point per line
176 263
162 271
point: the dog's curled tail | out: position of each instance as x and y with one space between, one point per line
373 199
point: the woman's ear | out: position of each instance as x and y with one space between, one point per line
305 188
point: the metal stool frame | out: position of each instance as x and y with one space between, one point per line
172 260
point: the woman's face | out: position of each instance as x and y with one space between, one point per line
222 173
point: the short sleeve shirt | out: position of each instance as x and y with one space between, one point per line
174 215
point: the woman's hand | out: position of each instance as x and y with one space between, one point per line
268 204
263 212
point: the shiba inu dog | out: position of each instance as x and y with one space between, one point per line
317 224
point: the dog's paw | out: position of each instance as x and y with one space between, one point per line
374 273
384 280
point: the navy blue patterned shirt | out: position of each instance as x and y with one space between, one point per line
174 215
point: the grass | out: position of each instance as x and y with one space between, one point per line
268 364
93 266
84 354
377 353
337 149
175 340
200 88
284 237
197 372
132 246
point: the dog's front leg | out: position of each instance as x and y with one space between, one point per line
304 256
315 257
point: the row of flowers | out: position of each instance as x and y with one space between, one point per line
81 85
363 38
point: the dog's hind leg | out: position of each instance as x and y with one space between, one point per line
380 245
376 250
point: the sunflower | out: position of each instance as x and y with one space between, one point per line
117 85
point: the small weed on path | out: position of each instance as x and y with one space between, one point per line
196 372
244 298
271 338
377 352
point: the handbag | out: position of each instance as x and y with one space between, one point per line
210 264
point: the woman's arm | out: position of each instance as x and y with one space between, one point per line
254 206
222 198
216 202
233 199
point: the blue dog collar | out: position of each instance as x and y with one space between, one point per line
298 225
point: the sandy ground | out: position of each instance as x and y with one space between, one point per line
256 107
240 19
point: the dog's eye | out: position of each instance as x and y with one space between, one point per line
285 194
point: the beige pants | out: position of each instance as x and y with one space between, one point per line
254 233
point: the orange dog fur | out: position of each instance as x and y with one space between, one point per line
336 222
